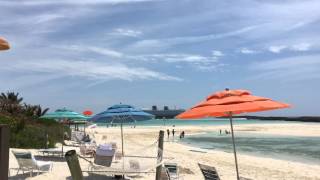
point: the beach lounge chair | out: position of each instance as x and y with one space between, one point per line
77 136
114 145
164 174
27 162
172 170
209 172
87 149
104 155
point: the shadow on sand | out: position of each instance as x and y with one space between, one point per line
99 177
22 175
50 158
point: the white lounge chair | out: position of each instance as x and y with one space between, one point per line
172 170
104 155
88 149
27 162
209 172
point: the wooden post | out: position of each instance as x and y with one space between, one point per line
74 166
160 154
4 151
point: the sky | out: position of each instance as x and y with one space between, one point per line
91 54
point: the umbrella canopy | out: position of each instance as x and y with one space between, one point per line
87 113
230 101
64 114
4 45
227 103
121 112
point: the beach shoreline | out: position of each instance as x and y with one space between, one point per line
187 157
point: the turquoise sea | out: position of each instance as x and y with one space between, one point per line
201 122
292 148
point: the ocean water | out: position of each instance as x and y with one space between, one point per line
292 148
199 122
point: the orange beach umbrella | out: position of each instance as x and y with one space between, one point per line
4 45
228 103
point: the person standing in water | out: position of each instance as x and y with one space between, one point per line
173 134
168 133
182 135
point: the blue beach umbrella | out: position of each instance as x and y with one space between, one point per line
121 113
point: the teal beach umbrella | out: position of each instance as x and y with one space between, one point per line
64 113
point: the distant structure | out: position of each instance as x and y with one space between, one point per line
164 113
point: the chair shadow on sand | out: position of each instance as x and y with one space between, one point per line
50 158
92 176
24 175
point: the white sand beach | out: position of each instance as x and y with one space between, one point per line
252 167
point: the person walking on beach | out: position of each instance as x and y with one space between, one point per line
168 133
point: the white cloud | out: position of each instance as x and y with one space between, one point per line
90 70
289 69
247 51
277 49
177 58
44 18
301 47
198 62
295 47
71 2
302 24
105 51
167 42
98 50
217 53
211 67
126 32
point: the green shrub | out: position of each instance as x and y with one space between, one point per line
33 133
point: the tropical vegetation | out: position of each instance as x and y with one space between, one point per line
27 130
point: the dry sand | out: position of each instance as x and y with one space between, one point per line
252 167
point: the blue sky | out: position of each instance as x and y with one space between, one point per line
90 54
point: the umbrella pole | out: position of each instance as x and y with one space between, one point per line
62 140
122 147
122 140
234 146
